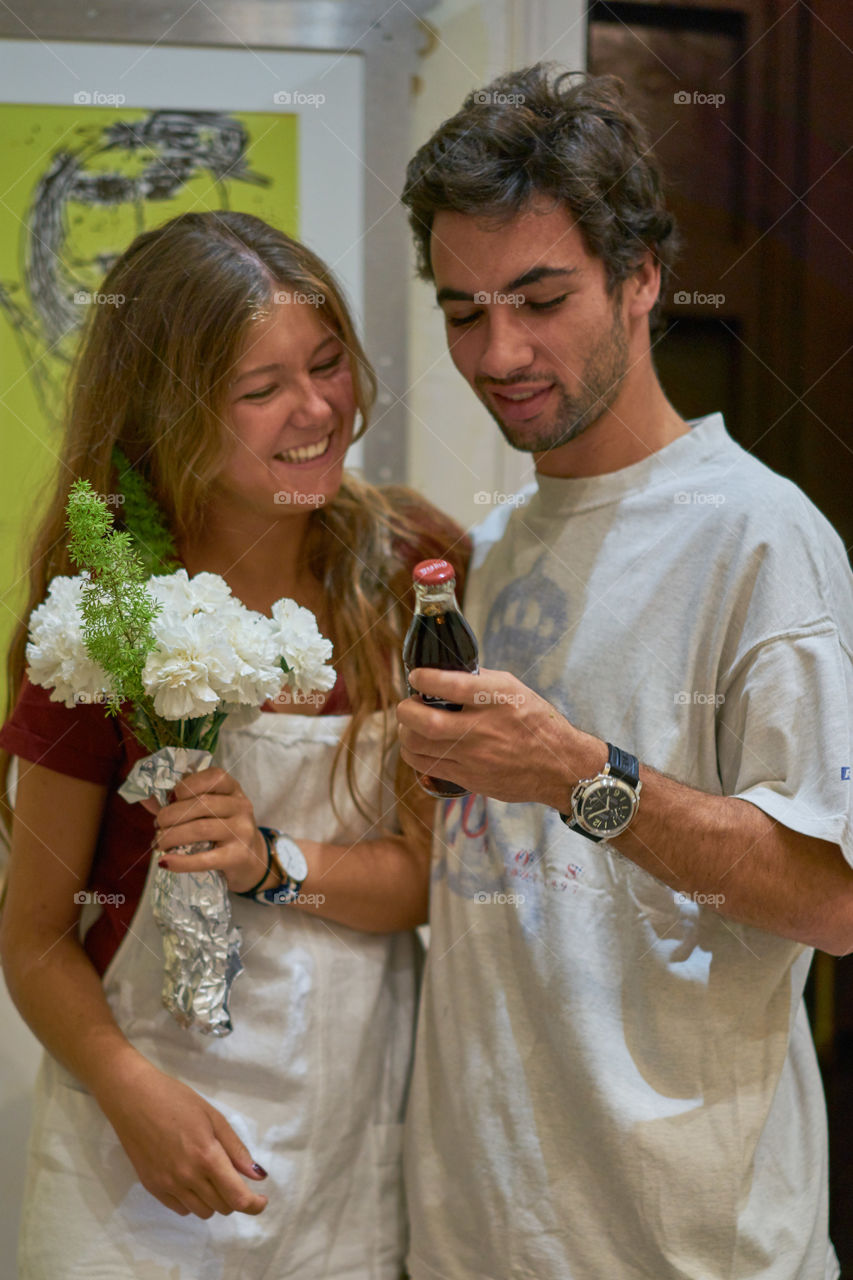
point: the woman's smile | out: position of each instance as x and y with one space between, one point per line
305 453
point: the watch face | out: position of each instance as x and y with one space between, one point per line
292 858
608 806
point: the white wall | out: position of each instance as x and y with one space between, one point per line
455 449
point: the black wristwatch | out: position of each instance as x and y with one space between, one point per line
605 806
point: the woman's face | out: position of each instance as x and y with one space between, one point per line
290 409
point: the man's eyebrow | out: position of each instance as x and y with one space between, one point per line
272 368
529 277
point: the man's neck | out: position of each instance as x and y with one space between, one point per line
638 423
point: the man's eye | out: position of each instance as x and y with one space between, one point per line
260 395
546 306
457 322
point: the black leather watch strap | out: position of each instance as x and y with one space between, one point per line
575 826
623 765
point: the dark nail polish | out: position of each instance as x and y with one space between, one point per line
262 1173
161 862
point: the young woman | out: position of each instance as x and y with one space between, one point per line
231 377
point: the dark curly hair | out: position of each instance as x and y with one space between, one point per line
568 135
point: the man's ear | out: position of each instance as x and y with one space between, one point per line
642 288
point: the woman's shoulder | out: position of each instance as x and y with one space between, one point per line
81 741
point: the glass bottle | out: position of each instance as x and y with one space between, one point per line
438 636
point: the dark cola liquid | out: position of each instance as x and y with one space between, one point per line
442 640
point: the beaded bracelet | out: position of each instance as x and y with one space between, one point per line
250 893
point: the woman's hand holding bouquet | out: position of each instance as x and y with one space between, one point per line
175 655
211 807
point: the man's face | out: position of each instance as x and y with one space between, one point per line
530 324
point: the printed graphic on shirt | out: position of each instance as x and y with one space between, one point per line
463 854
499 856
527 621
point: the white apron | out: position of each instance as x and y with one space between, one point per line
312 1079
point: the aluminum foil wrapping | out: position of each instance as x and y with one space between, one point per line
201 946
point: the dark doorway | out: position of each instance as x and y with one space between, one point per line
749 106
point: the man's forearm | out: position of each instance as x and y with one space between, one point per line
510 743
732 856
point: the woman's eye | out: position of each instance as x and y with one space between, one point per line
259 395
329 365
546 306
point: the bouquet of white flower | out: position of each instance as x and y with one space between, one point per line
177 654
210 654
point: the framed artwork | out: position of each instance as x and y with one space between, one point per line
103 141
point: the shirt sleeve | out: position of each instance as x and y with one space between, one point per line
784 734
81 741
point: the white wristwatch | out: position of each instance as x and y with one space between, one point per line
291 860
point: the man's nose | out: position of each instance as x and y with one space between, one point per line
508 348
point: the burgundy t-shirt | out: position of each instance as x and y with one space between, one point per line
84 742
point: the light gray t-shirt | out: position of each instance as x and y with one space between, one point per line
612 1080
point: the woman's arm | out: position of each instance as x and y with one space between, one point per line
182 1148
377 884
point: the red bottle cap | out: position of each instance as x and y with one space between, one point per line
433 572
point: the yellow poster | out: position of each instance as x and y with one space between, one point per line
77 188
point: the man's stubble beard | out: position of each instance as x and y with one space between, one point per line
600 383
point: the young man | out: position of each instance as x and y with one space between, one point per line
615 1078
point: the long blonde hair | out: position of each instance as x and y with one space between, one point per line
150 378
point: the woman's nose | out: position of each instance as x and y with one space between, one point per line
310 409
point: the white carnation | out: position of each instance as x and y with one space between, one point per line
192 662
56 656
255 674
305 651
182 596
